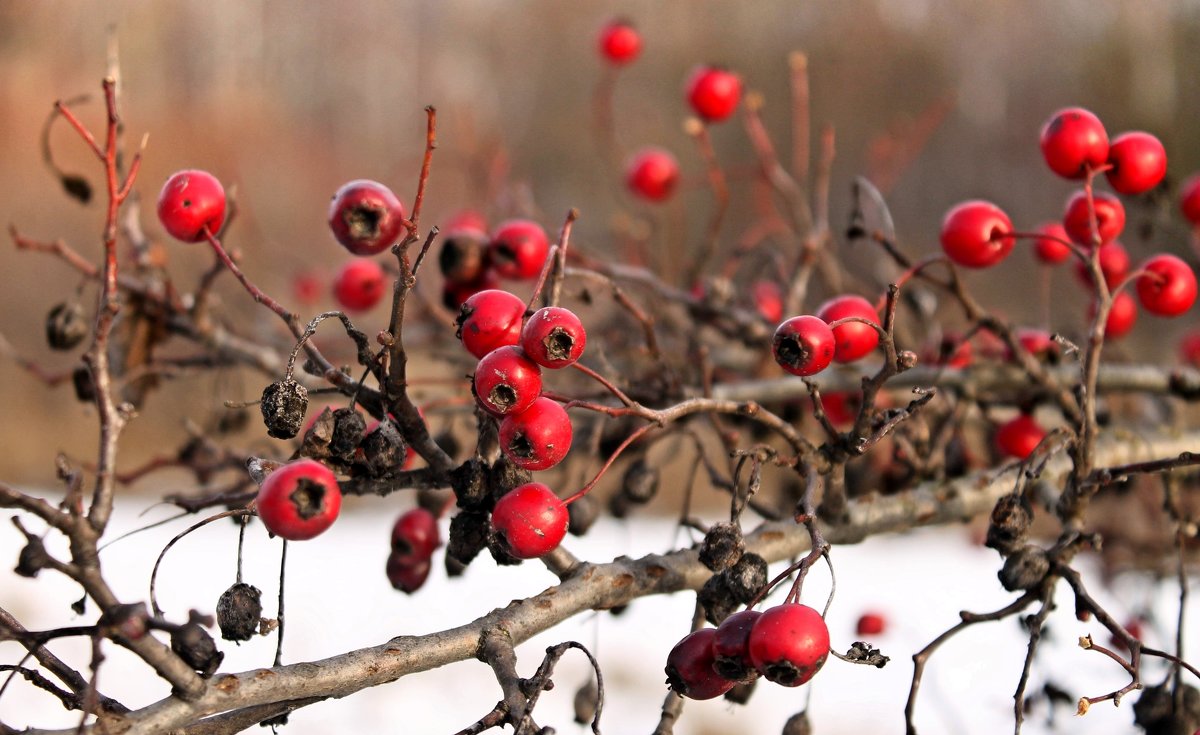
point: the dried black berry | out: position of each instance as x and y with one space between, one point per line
618 505
640 482
797 724
468 536
85 389
33 558
747 577
723 546
1024 569
192 643
717 599
463 257
1009 523
384 450
283 405
740 694
348 428
239 611
499 550
469 482
586 699
582 514
66 326
1155 710
504 476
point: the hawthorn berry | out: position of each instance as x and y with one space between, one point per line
1121 316
518 249
190 203
768 300
870 623
359 285
1189 199
489 320
730 654
1051 249
506 381
466 219
854 340
690 670
463 257
299 500
1038 342
407 573
652 174
841 407
976 234
1110 218
1189 348
789 644
454 295
804 345
1168 286
619 42
538 437
553 337
1114 264
1019 436
1138 160
1073 140
530 520
415 533
713 92
366 217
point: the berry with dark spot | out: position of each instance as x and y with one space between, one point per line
191 203
789 644
690 667
530 521
539 437
299 500
506 381
366 217
730 646
553 337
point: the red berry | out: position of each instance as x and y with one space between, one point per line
690 667
1051 250
1189 199
415 534
299 500
1138 160
537 438
307 287
518 249
952 351
789 644
854 339
1018 437
1133 626
804 345
732 659
1074 140
768 300
713 92
652 174
406 573
489 320
467 219
620 43
841 407
190 202
366 217
553 337
359 285
871 623
1121 316
463 257
975 234
530 520
506 381
1114 264
1169 286
1038 342
1110 218
1189 348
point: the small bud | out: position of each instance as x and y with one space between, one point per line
283 405
66 326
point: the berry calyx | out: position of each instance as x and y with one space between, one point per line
359 285
489 320
652 174
690 667
553 337
1138 160
506 381
1114 264
415 534
789 644
619 42
730 653
1168 286
976 234
1019 436
713 92
1189 199
1110 218
299 500
538 437
854 339
870 623
190 202
530 520
518 249
1073 140
1122 315
1051 249
804 345
366 217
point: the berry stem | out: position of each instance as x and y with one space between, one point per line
426 162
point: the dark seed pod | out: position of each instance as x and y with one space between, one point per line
740 694
348 428
468 536
797 724
469 482
587 698
1024 569
747 577
619 505
239 611
640 482
1009 523
283 405
717 599
581 514
33 558
723 546
384 450
504 476
85 389
192 643
66 326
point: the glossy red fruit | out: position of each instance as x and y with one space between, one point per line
415 534
190 202
1051 249
406 573
1018 437
619 42
1121 317
299 500
1138 160
730 646
489 320
789 644
768 300
652 174
871 623
975 234
1114 264
841 407
537 438
854 340
530 520
553 337
1189 348
1189 199
1169 286
359 285
713 92
464 254
1074 140
518 249
1110 218
506 381
366 217
690 667
804 345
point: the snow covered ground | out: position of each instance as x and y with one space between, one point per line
338 598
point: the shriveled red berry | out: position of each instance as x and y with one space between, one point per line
1121 316
506 381
518 249
619 42
1114 264
553 337
190 202
768 300
730 646
366 217
489 320
652 174
1189 199
870 623
1051 249
1110 218
854 340
1019 436
976 234
407 573
1138 160
415 533
1168 287
804 345
359 285
789 644
530 520
1074 140
713 92
299 500
538 437
690 667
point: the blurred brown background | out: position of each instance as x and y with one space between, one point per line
287 100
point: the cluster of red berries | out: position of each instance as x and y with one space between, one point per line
367 219
806 345
472 261
786 644
415 536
